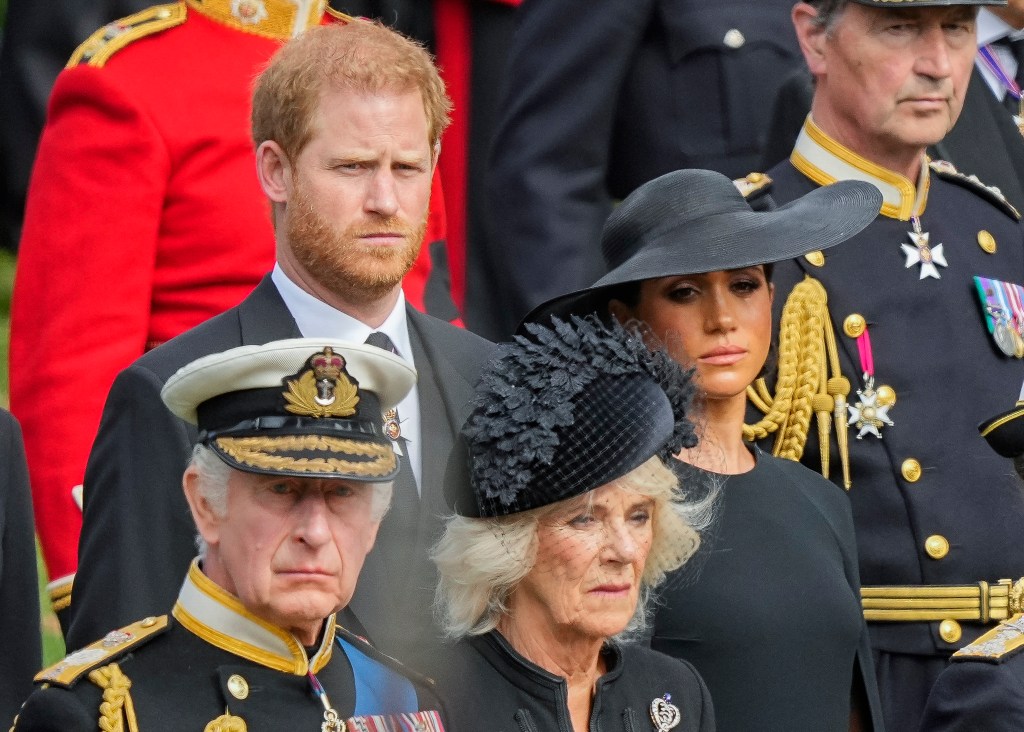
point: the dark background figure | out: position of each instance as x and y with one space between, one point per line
985 141
637 89
21 646
38 40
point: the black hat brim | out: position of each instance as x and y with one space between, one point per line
732 236
1005 432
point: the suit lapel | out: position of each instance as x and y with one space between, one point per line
263 317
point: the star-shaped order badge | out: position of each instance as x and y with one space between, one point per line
867 414
923 253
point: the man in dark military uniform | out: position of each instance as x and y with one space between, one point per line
912 368
601 98
19 584
287 487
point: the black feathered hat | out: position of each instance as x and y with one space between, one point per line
564 410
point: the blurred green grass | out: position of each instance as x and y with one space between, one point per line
53 643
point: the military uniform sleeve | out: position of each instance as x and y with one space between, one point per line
19 591
56 710
83 286
976 695
546 188
138 535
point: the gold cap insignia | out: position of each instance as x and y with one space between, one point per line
323 388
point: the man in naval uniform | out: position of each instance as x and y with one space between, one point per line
346 152
912 369
287 487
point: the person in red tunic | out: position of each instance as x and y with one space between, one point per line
144 218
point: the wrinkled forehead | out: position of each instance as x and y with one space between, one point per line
902 13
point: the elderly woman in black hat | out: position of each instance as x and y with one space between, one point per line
769 612
566 518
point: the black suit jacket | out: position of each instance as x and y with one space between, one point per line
137 534
599 99
20 648
984 141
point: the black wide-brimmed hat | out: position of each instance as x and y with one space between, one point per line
1005 431
562 411
307 407
693 221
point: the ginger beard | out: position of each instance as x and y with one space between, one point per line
340 260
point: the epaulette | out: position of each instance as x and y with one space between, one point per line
997 645
114 644
338 16
753 186
97 49
947 171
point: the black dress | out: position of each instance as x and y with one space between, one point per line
486 686
769 610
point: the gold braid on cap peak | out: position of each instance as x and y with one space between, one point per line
807 357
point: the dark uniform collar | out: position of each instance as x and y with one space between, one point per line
218 617
268 18
825 161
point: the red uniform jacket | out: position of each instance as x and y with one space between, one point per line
144 218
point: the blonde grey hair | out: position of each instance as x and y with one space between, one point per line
482 561
212 481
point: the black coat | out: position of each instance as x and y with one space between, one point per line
602 98
794 658
137 533
486 686
20 649
181 682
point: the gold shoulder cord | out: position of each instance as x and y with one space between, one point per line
226 723
116 709
807 355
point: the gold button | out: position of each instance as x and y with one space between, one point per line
148 623
911 470
949 631
855 325
755 177
987 242
886 396
734 38
238 686
815 258
936 546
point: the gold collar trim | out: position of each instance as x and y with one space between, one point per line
219 618
280 19
826 161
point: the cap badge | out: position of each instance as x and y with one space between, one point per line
323 388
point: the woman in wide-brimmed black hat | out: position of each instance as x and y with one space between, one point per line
772 620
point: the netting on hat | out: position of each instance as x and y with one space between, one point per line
570 441
571 407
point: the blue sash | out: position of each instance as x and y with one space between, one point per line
379 689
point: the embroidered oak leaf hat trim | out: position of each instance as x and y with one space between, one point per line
694 221
298 407
564 410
